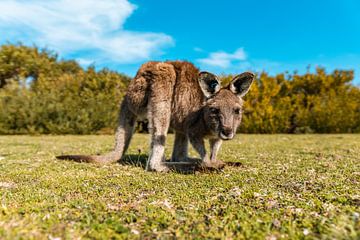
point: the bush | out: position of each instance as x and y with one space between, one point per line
313 102
77 101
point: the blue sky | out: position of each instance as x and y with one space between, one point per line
220 36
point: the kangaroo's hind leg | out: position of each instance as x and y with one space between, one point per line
124 132
159 113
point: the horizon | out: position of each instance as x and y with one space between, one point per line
221 38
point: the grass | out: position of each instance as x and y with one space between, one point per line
288 186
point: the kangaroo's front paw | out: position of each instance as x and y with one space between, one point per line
213 165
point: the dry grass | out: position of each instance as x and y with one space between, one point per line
287 186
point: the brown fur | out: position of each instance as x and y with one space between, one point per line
175 94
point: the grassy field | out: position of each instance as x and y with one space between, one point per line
287 186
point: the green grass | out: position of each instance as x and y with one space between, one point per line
288 186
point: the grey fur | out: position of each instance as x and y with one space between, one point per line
175 94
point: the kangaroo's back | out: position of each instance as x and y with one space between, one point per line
174 81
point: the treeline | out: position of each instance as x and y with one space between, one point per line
42 94
310 103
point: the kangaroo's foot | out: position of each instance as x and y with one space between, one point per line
213 165
159 167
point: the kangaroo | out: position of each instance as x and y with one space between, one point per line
175 94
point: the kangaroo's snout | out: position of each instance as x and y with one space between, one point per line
226 133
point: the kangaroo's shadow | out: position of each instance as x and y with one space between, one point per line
194 164
139 160
136 160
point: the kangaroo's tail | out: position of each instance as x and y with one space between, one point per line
123 135
98 159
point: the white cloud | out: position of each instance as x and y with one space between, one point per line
91 29
223 59
238 62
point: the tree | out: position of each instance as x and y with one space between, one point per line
22 63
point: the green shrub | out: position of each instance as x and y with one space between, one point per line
313 102
72 101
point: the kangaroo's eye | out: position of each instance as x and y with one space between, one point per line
214 110
237 110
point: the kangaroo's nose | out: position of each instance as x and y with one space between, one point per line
227 132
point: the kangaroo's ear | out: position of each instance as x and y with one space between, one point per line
241 83
209 84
